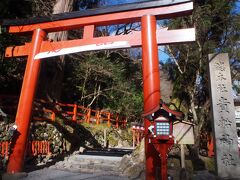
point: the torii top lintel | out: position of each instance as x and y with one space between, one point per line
127 13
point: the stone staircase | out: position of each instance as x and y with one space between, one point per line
105 165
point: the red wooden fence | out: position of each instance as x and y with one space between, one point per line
138 134
34 148
72 112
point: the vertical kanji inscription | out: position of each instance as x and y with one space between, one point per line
224 124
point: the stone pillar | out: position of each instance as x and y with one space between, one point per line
224 124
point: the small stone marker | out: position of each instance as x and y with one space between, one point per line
224 124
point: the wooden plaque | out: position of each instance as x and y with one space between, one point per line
183 132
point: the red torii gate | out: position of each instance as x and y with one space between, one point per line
148 38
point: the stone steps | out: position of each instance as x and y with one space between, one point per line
90 164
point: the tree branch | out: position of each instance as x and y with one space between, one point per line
174 59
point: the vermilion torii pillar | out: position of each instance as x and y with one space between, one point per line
149 38
25 103
151 87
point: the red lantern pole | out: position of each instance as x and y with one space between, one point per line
25 104
151 88
163 148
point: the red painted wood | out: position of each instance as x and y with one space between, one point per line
151 87
88 32
108 19
33 148
134 38
163 148
74 118
25 105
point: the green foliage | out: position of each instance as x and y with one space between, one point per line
11 70
113 135
15 9
105 81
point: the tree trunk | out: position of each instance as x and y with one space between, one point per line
52 69
194 148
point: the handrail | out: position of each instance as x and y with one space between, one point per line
74 112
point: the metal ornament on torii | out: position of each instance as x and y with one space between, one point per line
149 38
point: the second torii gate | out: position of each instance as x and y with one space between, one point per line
149 37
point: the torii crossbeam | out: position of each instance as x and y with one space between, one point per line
149 37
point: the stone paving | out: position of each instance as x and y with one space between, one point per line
89 164
54 174
80 167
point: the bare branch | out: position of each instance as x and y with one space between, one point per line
174 59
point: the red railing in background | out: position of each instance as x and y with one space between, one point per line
4 148
210 146
80 114
39 147
137 135
72 112
34 148
206 146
